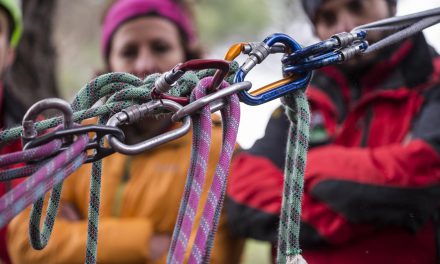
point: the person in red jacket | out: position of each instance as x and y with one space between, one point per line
11 109
372 181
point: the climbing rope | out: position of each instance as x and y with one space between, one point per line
194 181
36 185
123 90
89 96
205 235
298 113
28 155
197 176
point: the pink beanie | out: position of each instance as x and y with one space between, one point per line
124 10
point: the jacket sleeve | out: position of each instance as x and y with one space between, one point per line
256 181
348 190
389 186
393 185
120 240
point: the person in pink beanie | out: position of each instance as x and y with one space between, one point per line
140 194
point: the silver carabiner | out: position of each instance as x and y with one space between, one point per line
218 95
28 123
136 112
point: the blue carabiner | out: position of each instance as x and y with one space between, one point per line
279 88
333 57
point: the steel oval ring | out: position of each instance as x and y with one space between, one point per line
198 104
152 142
29 131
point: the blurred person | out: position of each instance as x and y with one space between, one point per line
11 109
140 194
372 180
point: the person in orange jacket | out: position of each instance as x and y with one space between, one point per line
140 194
11 109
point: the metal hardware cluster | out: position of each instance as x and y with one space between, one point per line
297 64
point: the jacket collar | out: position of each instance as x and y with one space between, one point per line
410 65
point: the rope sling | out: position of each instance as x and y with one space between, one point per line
298 112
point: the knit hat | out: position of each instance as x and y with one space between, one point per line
124 10
311 6
14 11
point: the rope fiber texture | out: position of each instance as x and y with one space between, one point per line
200 252
298 113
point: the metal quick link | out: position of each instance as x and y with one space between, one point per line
138 112
354 50
135 113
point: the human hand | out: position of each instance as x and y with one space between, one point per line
159 245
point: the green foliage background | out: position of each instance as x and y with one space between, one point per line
221 20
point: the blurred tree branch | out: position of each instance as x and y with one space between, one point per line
32 76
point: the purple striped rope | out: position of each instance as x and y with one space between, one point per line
211 214
38 183
20 172
37 153
30 154
195 179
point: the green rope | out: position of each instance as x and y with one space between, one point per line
298 112
39 241
120 90
124 90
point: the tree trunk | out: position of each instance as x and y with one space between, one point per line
32 76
